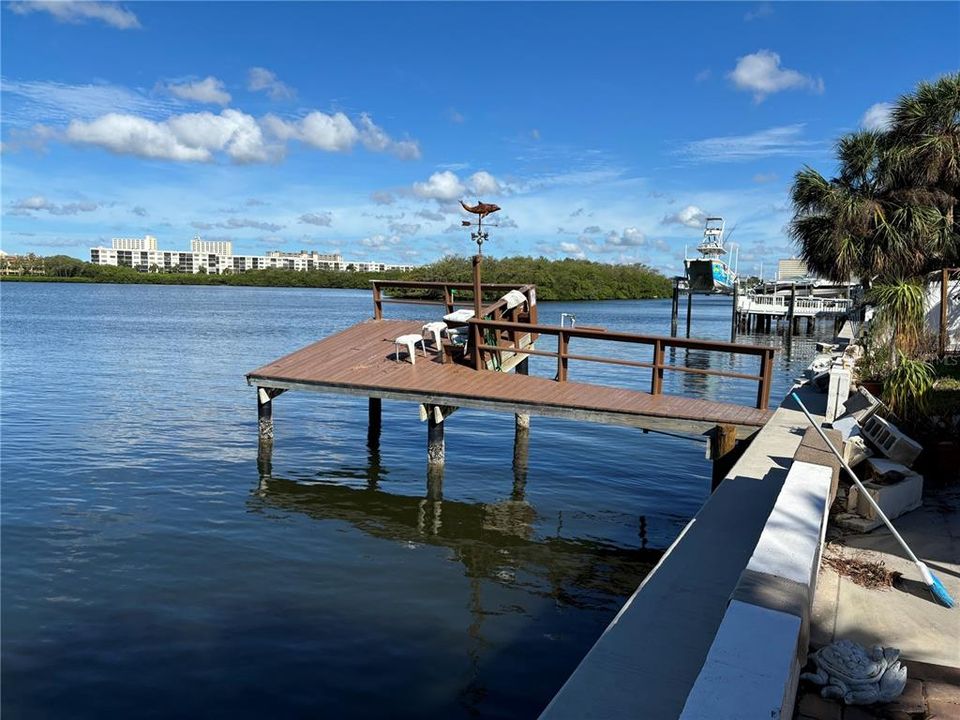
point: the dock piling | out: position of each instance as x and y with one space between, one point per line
723 452
265 398
522 419
689 309
374 422
435 445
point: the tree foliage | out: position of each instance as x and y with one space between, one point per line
891 211
555 280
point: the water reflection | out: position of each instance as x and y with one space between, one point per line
493 541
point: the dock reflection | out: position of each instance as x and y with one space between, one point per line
493 541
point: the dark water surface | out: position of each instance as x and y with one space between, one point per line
149 570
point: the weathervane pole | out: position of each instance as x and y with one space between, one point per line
481 210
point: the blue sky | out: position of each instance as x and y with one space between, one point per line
604 131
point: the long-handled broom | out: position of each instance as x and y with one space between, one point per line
933 584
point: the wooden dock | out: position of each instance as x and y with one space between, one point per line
471 369
360 361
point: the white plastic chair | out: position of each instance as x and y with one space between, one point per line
434 330
410 342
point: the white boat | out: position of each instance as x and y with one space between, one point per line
710 272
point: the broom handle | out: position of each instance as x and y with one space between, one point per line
863 490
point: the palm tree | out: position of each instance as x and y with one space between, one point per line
925 159
890 212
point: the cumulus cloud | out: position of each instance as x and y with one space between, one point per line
761 74
208 90
38 203
382 197
380 242
630 237
690 216
483 183
333 133
140 211
262 80
376 139
592 230
323 219
877 116
193 137
69 11
506 222
447 185
440 186
572 249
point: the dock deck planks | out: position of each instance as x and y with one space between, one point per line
360 361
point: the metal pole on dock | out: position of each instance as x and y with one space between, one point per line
675 307
733 315
791 313
689 309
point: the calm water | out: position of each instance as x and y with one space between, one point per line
150 570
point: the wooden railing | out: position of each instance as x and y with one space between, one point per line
507 332
446 292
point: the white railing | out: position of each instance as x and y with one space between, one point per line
804 307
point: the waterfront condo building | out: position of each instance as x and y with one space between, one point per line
147 242
204 257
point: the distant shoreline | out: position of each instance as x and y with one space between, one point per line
573 280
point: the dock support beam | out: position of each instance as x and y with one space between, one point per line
523 419
436 454
733 315
374 422
724 451
689 309
265 398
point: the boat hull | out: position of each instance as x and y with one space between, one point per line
709 275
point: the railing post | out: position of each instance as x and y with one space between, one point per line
448 298
562 343
476 337
377 302
766 373
656 379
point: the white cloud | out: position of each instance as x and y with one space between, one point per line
483 183
630 237
440 186
380 242
333 133
38 203
764 177
140 211
761 74
760 11
193 137
431 215
877 116
690 216
382 197
455 117
786 141
323 219
262 80
208 90
70 11
376 139
447 185
569 248
41 101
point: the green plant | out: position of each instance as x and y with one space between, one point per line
906 388
901 306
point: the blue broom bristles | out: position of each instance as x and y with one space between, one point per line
940 593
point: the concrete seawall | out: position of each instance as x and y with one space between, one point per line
719 629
